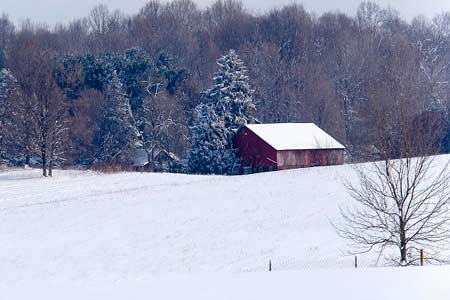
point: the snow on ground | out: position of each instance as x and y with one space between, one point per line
209 236
418 283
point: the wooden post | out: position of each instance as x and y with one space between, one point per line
270 265
422 258
356 262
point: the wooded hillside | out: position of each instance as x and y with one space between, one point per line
347 74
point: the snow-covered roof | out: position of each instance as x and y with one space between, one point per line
140 158
294 136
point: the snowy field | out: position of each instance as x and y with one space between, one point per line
83 235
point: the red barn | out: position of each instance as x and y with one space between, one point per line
286 146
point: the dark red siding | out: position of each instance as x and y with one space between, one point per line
289 159
254 151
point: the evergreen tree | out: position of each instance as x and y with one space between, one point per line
226 108
118 136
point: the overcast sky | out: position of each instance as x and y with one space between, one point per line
53 11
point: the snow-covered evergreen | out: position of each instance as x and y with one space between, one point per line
118 136
227 106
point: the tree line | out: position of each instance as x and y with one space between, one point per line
86 92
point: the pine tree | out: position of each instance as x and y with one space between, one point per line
226 108
231 94
118 136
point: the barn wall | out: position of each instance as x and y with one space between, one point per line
254 151
289 159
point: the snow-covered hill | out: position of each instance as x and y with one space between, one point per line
89 230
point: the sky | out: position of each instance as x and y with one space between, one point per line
54 11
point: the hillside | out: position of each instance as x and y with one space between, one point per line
88 230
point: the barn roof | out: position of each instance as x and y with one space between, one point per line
294 136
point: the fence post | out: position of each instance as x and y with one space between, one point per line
422 258
270 265
356 262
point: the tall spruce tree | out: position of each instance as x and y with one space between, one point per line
227 106
118 136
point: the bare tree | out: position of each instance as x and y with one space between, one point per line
58 134
402 205
106 29
432 44
161 118
49 111
6 33
42 104
9 116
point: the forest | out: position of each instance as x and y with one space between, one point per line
65 88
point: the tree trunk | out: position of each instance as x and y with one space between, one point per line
50 167
44 160
403 259
27 148
152 160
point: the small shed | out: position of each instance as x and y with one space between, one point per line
265 147
158 160
140 160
